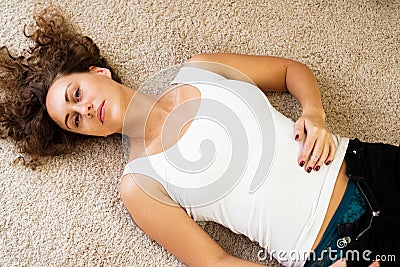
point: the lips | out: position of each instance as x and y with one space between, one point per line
101 112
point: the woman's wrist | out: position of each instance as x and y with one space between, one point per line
314 112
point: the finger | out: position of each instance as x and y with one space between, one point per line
306 151
299 129
332 152
315 155
322 158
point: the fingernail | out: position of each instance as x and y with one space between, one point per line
309 169
317 168
297 137
302 163
328 162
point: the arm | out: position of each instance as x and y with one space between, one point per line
279 75
173 229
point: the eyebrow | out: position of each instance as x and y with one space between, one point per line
66 93
67 100
66 120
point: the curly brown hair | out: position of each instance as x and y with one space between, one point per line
57 50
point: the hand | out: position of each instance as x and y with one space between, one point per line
319 147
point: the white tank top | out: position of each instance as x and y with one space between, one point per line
237 165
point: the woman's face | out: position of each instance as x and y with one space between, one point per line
88 103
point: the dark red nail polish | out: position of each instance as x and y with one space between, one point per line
328 162
309 169
317 168
297 137
302 163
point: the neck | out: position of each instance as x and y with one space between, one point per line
138 107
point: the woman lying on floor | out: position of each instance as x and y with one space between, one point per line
211 147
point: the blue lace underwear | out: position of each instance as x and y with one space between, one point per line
351 207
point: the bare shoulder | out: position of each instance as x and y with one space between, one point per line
139 186
219 63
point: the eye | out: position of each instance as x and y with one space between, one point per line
76 120
77 94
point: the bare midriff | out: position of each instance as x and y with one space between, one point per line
337 195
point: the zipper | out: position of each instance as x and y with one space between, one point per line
374 213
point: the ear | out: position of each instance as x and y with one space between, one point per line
98 70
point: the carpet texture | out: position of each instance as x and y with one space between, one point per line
69 213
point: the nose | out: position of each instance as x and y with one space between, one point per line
86 109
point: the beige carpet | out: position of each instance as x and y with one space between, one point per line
69 213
